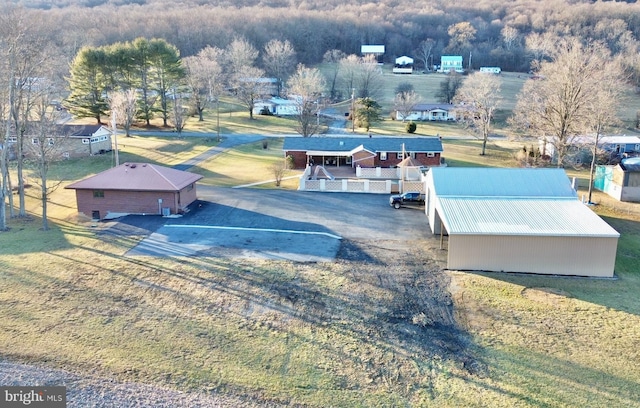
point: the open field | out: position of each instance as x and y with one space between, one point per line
381 326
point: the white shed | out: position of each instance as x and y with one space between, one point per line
517 220
403 65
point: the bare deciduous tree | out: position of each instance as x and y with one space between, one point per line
46 147
460 37
348 72
369 78
510 37
333 57
605 108
561 104
204 79
539 46
405 101
424 53
179 114
306 86
240 54
477 99
23 58
278 170
123 105
279 60
449 87
249 86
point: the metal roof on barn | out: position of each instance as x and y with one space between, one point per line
138 177
530 217
501 182
375 144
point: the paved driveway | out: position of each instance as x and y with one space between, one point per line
281 224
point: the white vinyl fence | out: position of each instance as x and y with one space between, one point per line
366 182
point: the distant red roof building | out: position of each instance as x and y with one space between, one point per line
135 188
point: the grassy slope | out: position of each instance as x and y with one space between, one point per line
71 299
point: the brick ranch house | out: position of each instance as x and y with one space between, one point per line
362 151
135 188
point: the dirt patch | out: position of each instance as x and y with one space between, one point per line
415 308
549 296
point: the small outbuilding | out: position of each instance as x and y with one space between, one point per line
403 65
376 50
621 181
517 220
136 188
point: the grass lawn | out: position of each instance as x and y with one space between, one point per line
310 334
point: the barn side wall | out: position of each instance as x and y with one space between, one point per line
581 256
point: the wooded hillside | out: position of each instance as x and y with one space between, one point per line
497 36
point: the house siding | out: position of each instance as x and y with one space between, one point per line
299 159
364 159
76 148
131 202
393 160
582 256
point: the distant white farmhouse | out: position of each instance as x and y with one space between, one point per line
429 112
277 107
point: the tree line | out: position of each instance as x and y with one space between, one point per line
485 32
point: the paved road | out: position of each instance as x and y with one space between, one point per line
226 143
280 224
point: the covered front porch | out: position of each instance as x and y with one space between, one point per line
330 159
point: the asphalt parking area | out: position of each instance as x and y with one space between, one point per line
276 224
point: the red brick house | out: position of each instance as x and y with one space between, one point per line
362 151
135 188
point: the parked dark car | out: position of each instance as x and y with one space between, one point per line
400 200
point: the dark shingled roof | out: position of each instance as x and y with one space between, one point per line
77 130
138 177
373 144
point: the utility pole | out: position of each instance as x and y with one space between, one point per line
218 116
353 110
115 135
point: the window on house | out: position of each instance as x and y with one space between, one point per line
431 154
383 155
399 155
412 154
637 148
35 141
98 193
12 139
85 141
65 155
50 141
